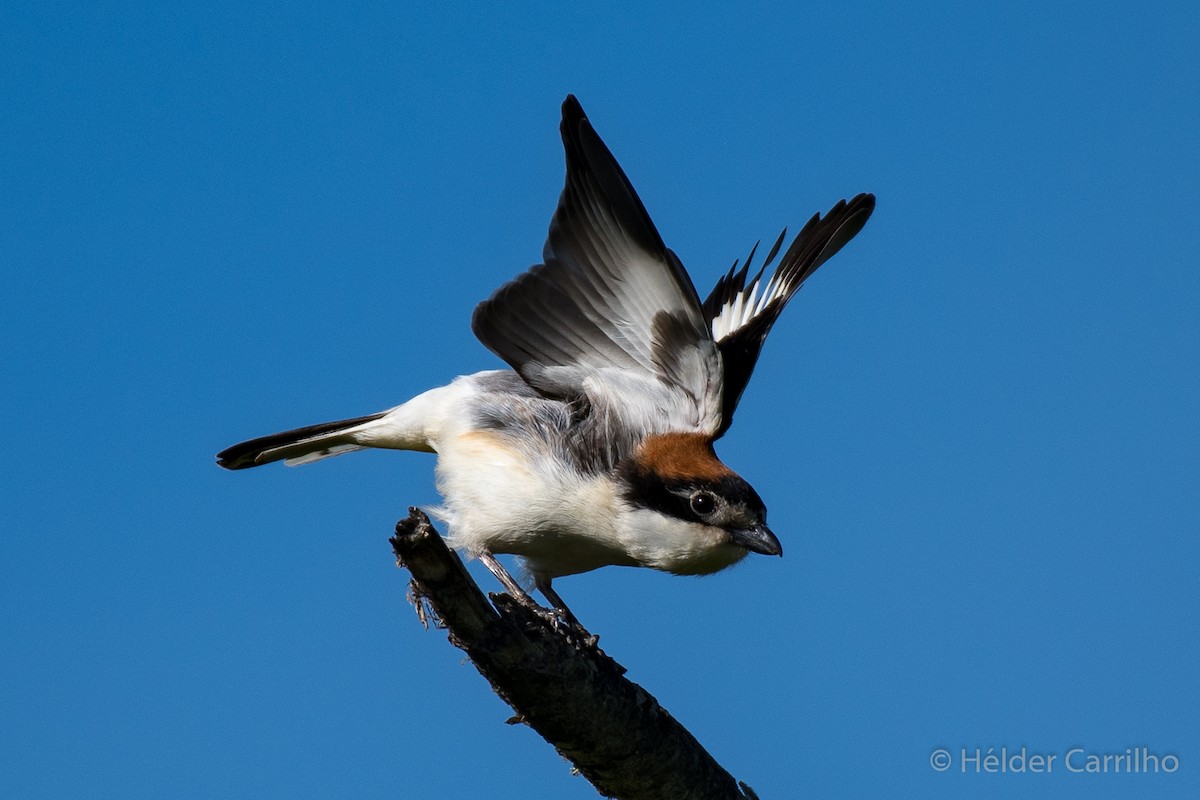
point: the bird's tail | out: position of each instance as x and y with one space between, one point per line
415 425
301 445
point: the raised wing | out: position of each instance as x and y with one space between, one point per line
610 316
741 313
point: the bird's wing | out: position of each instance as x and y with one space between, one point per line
610 317
741 312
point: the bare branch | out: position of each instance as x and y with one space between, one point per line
560 683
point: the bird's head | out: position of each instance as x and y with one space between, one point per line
690 513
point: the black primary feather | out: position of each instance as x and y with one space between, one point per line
741 343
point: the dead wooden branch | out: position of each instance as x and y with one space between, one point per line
560 683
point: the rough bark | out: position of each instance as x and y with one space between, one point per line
559 682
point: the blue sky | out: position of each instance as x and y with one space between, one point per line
976 428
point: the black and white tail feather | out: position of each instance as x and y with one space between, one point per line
298 446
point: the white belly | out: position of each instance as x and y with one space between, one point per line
503 500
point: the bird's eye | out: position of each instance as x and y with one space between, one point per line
703 503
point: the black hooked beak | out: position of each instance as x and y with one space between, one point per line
757 539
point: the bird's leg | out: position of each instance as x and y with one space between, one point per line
510 584
560 610
560 607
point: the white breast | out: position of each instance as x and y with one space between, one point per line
522 500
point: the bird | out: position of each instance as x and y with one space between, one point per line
596 446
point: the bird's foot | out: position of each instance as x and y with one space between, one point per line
563 616
559 616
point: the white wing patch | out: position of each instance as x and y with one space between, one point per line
742 308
